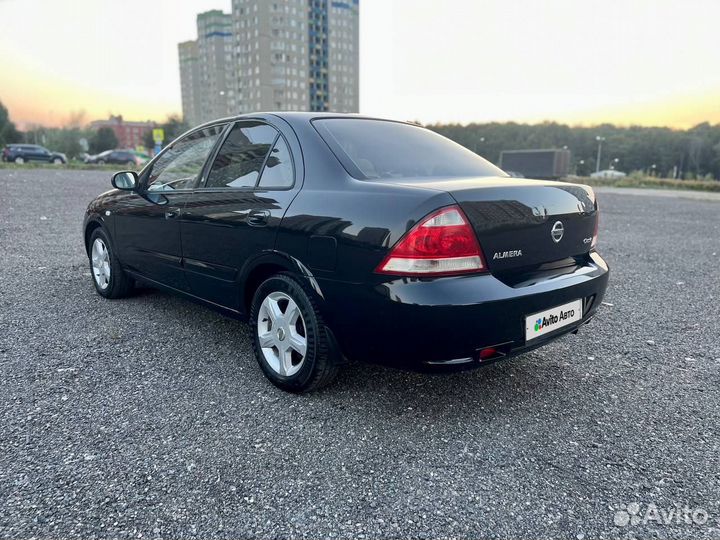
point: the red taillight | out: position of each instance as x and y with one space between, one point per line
443 244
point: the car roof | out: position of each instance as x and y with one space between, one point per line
295 116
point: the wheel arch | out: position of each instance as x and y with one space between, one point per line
268 264
90 228
274 262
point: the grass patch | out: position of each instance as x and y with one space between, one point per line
648 182
73 165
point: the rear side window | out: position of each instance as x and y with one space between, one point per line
383 149
278 172
242 156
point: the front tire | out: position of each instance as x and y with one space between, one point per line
290 340
19 160
109 278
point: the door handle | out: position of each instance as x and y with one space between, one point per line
258 218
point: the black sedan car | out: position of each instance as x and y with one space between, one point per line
25 153
117 157
343 237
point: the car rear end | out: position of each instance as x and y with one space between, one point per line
10 152
503 266
523 287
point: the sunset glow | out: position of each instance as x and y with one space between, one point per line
637 62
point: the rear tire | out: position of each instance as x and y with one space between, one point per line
109 278
290 340
101 162
130 164
57 161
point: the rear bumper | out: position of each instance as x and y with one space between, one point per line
417 323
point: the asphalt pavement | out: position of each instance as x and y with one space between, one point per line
149 417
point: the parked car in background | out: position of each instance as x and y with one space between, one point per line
144 158
25 153
118 157
340 236
608 173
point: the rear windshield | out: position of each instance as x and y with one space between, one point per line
384 149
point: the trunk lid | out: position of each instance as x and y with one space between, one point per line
524 223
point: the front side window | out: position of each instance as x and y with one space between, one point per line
242 155
181 164
383 149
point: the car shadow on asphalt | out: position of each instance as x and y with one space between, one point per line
502 385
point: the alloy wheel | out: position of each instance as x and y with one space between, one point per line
100 263
282 333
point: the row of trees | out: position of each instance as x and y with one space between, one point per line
691 153
74 139
8 132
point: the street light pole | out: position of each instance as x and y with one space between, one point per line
600 140
577 166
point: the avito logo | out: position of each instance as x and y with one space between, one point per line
544 322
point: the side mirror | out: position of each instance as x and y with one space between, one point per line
125 180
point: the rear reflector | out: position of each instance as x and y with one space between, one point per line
488 353
442 244
593 244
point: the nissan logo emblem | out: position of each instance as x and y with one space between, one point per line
557 231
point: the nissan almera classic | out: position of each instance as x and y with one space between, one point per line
343 237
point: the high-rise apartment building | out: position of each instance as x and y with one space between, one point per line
208 81
217 64
190 83
285 55
343 56
297 55
272 54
